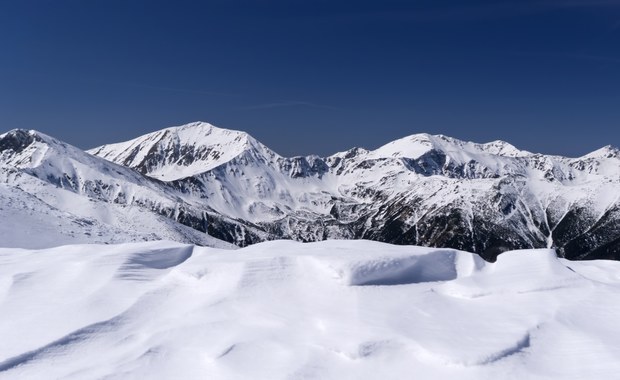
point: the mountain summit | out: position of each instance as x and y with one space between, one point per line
179 152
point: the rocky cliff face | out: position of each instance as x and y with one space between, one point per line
422 189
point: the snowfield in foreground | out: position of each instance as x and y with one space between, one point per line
287 310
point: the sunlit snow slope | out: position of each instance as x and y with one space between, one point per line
179 152
286 310
52 193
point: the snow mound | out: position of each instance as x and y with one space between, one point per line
412 268
159 259
409 270
287 310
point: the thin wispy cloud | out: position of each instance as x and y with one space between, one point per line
287 104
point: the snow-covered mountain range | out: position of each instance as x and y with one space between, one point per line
437 191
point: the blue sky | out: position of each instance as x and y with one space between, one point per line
316 76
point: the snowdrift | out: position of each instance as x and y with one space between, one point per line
287 310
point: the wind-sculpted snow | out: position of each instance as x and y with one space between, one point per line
287 310
440 265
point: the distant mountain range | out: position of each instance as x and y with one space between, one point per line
181 182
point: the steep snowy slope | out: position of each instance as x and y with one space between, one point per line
27 221
65 195
286 310
179 152
421 189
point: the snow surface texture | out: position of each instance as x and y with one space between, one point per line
287 310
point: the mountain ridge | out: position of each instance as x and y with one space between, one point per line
421 189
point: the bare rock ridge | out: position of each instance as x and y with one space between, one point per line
422 189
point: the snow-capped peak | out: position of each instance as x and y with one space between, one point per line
18 139
607 151
417 145
181 151
412 146
21 148
502 148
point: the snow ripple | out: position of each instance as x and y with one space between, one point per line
287 310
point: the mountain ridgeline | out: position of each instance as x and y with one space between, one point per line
425 190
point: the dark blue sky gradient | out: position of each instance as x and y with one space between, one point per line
316 76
